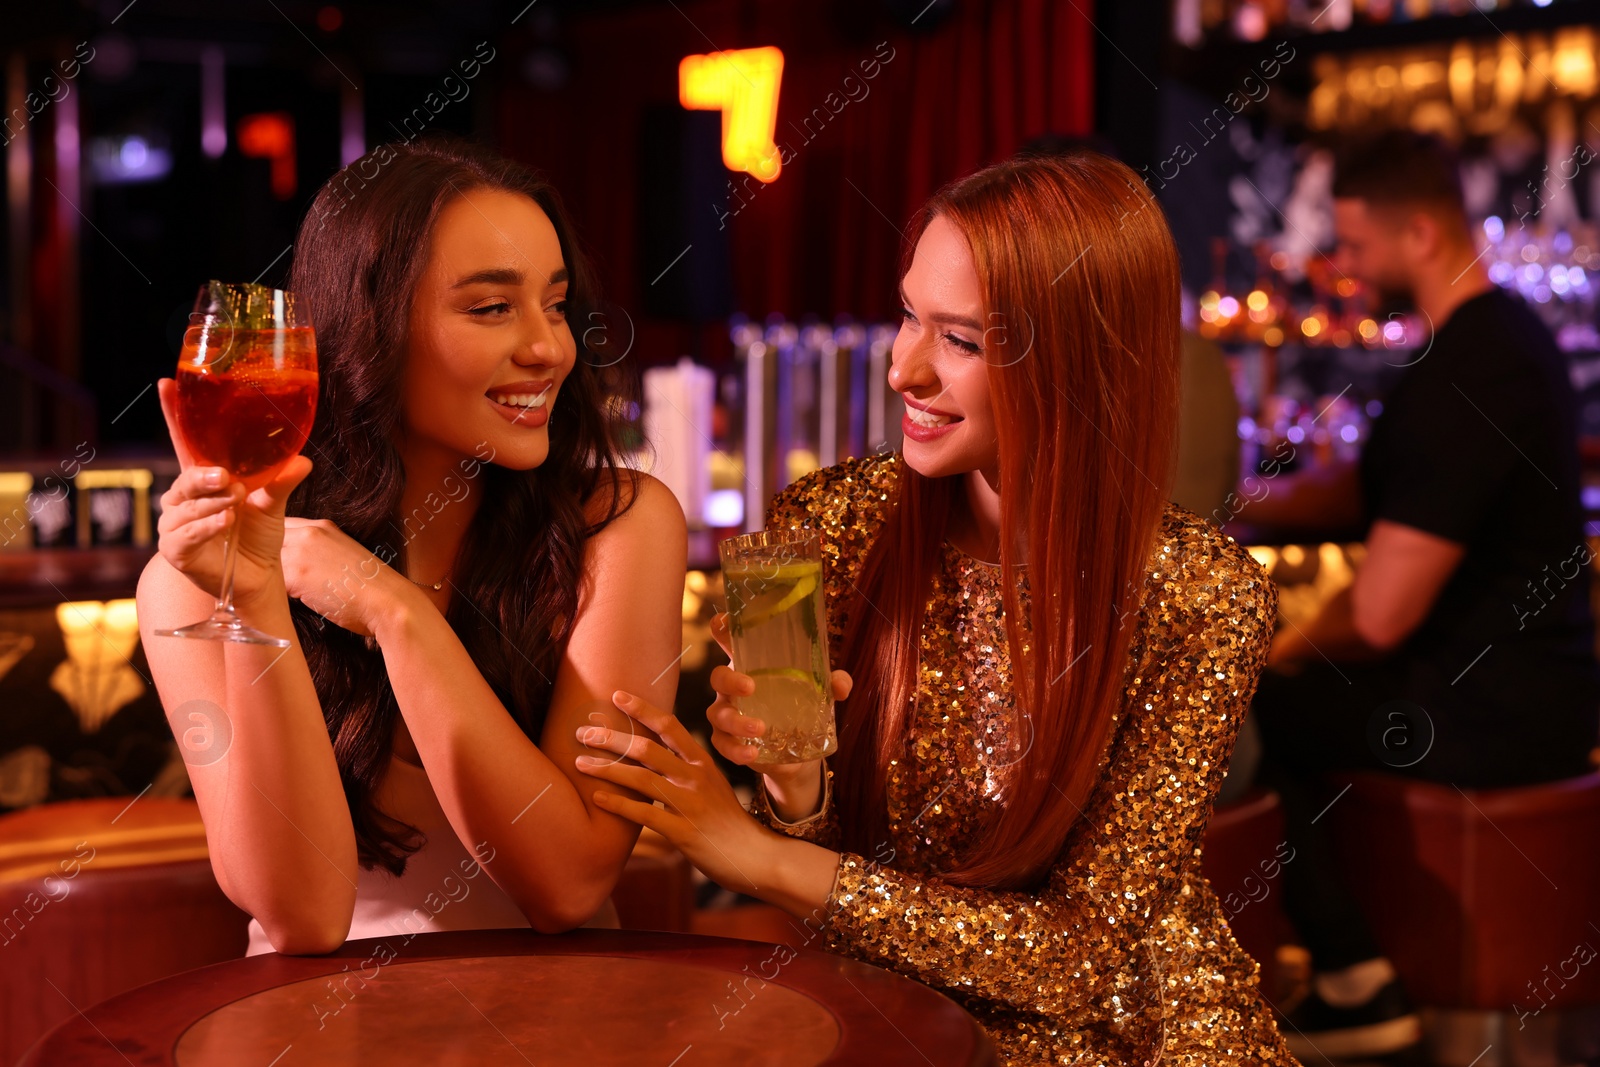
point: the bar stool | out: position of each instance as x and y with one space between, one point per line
1488 902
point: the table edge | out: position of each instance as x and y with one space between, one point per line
144 1019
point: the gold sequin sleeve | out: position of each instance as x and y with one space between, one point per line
821 828
1089 947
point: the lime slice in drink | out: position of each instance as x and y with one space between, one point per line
801 590
797 593
790 674
772 602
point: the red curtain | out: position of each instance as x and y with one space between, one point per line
825 237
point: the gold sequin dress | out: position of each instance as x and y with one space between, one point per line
1122 955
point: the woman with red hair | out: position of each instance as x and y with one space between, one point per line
1050 662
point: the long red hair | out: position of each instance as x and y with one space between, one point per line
1079 271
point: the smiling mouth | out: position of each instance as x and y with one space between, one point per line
522 401
929 419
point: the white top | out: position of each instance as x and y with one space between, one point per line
444 887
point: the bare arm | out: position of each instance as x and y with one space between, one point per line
1331 635
281 843
557 854
1394 590
1398 583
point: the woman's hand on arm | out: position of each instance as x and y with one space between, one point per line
701 815
628 635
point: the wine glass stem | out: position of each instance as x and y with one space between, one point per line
230 553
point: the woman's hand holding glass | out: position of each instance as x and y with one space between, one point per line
201 504
733 733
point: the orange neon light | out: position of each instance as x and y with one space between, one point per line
270 135
743 85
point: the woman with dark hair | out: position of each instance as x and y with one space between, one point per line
468 572
1050 662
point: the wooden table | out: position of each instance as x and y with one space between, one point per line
517 997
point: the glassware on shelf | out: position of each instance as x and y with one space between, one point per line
1553 269
1221 313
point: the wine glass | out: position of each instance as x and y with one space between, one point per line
247 392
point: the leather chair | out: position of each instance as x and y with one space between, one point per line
1481 898
656 891
97 897
1244 850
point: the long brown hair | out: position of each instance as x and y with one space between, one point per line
358 259
1080 287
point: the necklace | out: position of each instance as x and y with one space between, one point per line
436 586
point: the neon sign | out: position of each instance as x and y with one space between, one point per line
743 85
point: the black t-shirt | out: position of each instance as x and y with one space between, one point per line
1478 444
